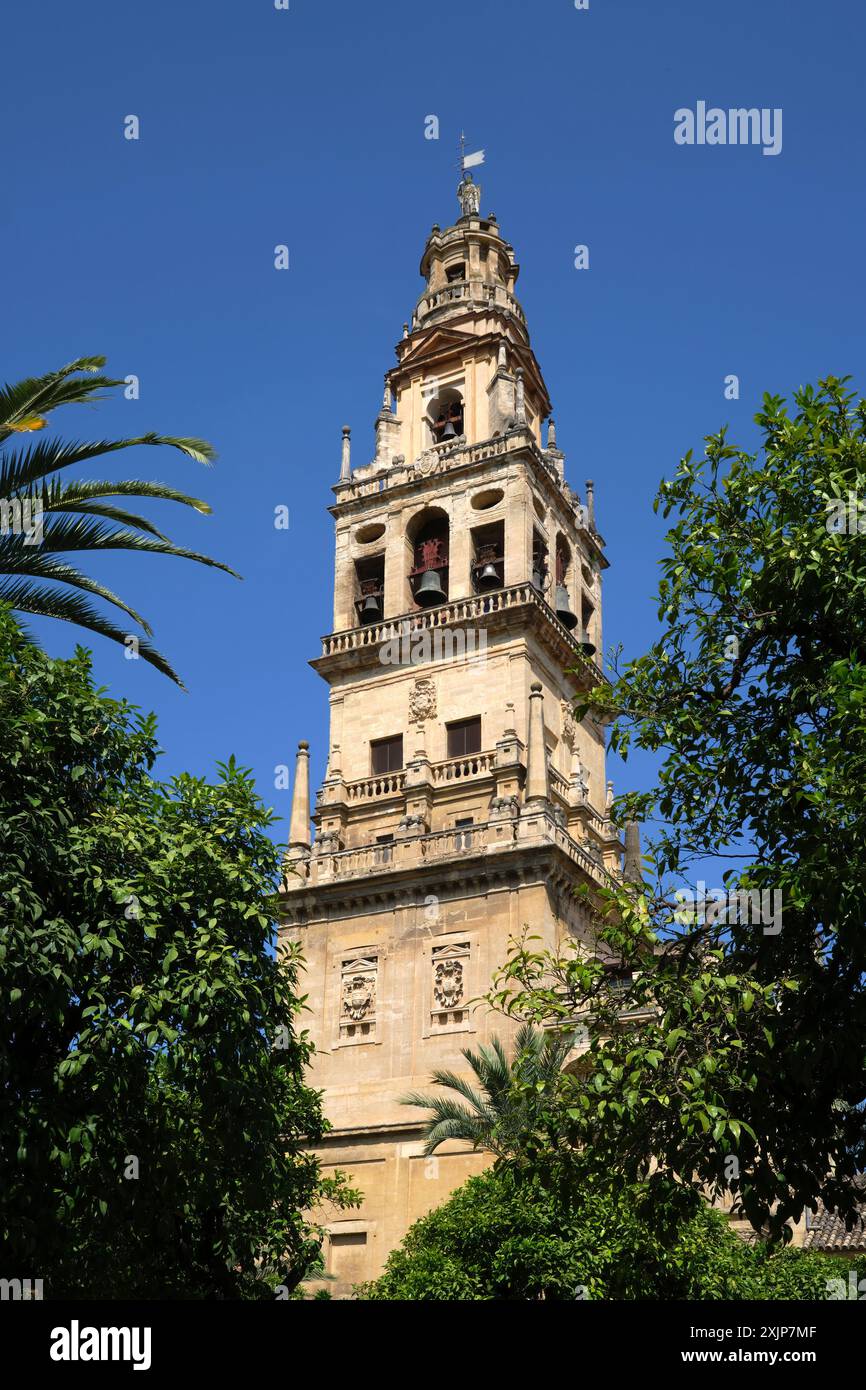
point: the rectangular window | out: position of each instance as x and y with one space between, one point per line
386 755
464 737
347 1255
463 836
383 849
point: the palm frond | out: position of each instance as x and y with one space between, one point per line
21 467
451 1081
36 396
528 1039
40 601
35 564
77 516
443 1130
510 1104
111 513
448 1120
59 495
73 533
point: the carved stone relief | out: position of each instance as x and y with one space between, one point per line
358 997
422 701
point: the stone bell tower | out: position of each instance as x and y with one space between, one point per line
461 803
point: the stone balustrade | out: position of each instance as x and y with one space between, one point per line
559 784
461 769
442 458
370 788
394 783
469 291
459 612
441 846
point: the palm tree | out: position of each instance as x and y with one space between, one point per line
75 516
508 1107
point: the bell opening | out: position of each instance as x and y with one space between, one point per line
539 562
428 577
563 610
370 581
488 566
445 415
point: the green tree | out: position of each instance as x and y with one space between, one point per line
154 1115
747 1072
507 1235
46 516
507 1113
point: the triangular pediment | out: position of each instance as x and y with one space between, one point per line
435 341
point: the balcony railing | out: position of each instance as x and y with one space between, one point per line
411 852
369 481
370 788
394 783
470 291
461 769
558 784
459 612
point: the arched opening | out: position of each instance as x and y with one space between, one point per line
488 564
445 415
369 588
428 535
539 561
562 604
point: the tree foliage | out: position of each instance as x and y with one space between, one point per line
742 1067
153 1108
508 1235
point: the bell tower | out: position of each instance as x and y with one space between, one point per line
461 802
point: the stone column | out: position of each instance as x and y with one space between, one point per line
537 784
345 463
418 805
590 504
520 399
507 769
299 825
398 562
500 397
632 868
460 549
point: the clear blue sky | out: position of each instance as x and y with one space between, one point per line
306 127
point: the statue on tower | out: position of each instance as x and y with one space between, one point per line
469 196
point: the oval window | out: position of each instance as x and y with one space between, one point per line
482 500
371 532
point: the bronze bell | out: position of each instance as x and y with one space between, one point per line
587 648
486 576
449 431
429 591
538 577
563 612
371 609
